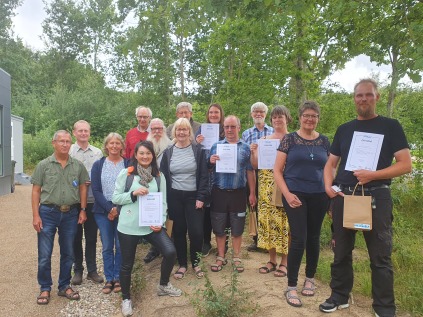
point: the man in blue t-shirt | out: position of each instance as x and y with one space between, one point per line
375 183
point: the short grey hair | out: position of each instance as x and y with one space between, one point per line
184 104
56 134
150 113
259 106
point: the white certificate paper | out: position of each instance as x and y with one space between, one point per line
267 153
364 151
210 131
228 158
151 210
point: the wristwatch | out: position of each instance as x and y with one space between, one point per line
83 209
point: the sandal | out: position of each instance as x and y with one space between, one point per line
218 267
238 267
289 297
72 295
266 269
108 287
279 272
43 299
308 291
198 272
179 275
116 286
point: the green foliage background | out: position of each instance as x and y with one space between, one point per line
98 67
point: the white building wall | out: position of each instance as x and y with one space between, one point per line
17 142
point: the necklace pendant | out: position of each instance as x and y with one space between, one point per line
312 156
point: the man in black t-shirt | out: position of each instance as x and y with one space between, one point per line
375 183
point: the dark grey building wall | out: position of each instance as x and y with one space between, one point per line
5 126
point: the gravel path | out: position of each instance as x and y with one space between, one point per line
19 288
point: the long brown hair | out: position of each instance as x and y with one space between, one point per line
222 119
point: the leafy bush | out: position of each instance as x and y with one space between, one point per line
37 148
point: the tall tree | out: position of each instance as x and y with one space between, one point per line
64 29
7 8
101 19
394 38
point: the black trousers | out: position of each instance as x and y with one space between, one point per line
90 230
305 224
186 218
379 246
207 225
128 246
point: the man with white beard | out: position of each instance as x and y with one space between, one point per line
160 141
252 135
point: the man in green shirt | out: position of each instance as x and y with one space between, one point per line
59 201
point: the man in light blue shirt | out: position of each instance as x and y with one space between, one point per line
252 135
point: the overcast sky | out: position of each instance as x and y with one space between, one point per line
27 25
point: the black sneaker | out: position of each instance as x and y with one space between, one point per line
330 306
206 249
252 247
151 255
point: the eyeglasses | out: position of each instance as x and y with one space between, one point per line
259 111
184 113
310 116
143 117
156 129
182 130
227 127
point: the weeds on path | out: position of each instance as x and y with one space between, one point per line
228 300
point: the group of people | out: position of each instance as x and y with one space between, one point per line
78 189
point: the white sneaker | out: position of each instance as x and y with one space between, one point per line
127 307
169 289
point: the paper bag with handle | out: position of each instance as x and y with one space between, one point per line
252 222
276 196
358 211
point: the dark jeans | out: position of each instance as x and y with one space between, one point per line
90 232
305 223
379 245
186 218
128 247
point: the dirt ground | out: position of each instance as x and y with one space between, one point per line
19 288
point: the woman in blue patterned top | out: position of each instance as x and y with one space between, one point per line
298 172
103 178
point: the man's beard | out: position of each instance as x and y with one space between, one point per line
365 113
258 120
161 145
